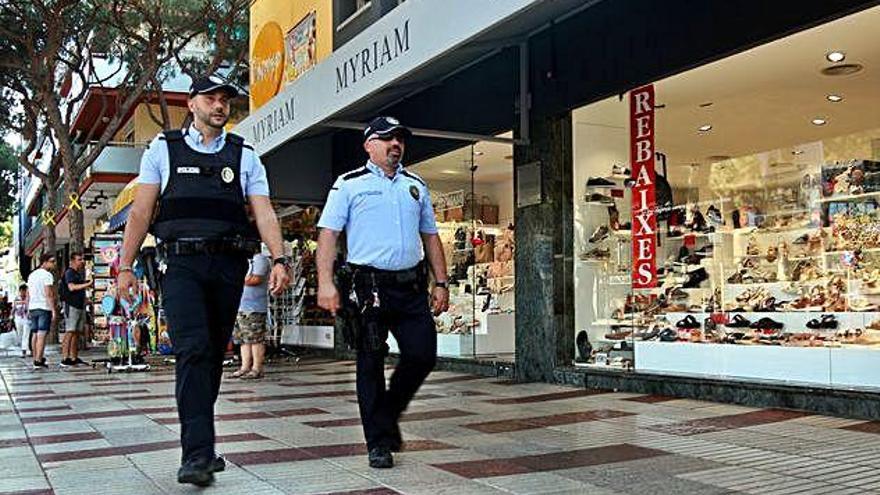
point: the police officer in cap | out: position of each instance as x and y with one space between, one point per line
202 179
388 219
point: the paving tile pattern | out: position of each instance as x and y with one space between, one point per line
297 431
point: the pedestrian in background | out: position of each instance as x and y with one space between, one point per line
250 330
42 306
20 317
73 295
390 228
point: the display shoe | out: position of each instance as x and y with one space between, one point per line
676 294
825 322
714 216
688 322
620 170
772 254
736 278
668 335
596 254
739 321
600 182
618 333
600 234
874 325
652 333
614 218
767 323
770 336
584 348
599 198
861 304
801 240
734 337
695 278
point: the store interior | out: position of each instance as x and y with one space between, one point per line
769 246
472 192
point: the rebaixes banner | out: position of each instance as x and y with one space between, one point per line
644 214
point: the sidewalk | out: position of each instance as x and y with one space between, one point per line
82 431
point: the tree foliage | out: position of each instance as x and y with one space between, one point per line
9 176
53 52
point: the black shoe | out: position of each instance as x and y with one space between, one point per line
78 361
599 198
380 458
66 363
600 182
218 464
585 349
196 473
600 234
739 322
767 324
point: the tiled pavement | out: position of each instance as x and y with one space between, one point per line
83 431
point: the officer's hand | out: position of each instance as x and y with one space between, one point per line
440 299
328 297
126 284
279 279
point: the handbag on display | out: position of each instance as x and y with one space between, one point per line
488 211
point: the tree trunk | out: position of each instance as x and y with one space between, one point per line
74 212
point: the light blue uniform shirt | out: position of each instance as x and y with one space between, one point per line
155 167
382 216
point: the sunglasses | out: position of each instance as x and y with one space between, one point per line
389 137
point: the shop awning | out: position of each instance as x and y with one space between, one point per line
125 197
118 219
411 47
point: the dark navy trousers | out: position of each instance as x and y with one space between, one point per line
200 295
404 311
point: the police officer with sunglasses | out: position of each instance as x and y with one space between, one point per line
392 242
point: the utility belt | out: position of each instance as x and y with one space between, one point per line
360 316
190 247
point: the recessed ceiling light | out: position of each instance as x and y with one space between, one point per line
449 172
835 56
834 98
797 152
478 153
706 104
705 128
819 121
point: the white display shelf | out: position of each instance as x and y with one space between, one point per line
498 339
850 197
308 336
843 366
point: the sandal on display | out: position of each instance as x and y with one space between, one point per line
668 335
688 322
825 322
739 321
767 323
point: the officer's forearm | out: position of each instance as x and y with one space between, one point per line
267 225
135 232
435 255
326 255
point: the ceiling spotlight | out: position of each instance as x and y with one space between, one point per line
449 172
706 104
478 153
797 152
835 56
819 121
834 98
705 128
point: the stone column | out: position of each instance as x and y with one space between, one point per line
544 261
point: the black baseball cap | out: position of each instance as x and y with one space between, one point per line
384 126
203 85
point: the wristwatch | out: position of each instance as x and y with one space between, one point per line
124 268
282 260
444 284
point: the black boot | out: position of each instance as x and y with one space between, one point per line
199 473
380 458
585 349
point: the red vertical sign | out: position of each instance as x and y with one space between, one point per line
644 215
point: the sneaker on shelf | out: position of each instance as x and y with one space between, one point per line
596 254
599 198
620 170
600 234
600 182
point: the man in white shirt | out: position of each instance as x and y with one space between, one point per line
41 306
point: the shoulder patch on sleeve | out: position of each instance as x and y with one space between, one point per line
414 177
355 173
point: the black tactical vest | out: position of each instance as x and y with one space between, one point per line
203 198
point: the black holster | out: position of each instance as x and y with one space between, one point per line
348 317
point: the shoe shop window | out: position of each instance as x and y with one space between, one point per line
766 249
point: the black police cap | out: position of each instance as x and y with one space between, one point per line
210 84
384 126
